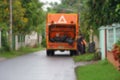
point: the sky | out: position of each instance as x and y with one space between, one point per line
47 3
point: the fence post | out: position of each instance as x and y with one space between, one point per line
16 42
102 31
114 35
107 37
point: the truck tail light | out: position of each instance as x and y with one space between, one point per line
52 22
71 22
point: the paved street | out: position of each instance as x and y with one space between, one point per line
37 66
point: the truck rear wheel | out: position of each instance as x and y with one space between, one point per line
73 52
50 52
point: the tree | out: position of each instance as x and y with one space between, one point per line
4 23
34 14
102 12
28 16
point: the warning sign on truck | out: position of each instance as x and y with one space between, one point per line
62 19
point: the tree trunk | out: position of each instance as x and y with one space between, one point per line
0 40
23 41
39 39
10 31
20 41
96 42
91 36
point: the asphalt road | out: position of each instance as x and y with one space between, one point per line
37 66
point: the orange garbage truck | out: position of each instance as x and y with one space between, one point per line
61 33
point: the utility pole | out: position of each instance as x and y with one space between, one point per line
10 31
0 39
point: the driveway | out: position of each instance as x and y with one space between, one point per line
37 66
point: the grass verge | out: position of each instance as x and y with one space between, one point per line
85 57
20 52
102 70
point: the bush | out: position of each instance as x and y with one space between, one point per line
43 42
118 42
2 50
5 45
116 51
97 55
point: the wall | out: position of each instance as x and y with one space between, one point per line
31 40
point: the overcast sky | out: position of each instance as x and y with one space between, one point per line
47 3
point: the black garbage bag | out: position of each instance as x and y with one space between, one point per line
63 38
69 41
91 47
52 39
57 39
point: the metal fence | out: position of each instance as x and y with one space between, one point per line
109 35
113 35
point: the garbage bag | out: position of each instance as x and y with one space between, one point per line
91 47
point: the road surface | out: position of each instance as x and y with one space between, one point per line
38 66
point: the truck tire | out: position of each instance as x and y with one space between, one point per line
50 52
73 52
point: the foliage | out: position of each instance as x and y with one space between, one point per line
116 51
102 70
18 20
101 12
65 6
5 44
43 42
2 50
4 21
118 42
97 56
4 15
28 16
34 14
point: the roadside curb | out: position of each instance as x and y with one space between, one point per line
83 63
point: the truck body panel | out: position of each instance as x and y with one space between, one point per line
62 31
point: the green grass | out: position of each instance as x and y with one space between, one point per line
102 70
20 52
85 57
